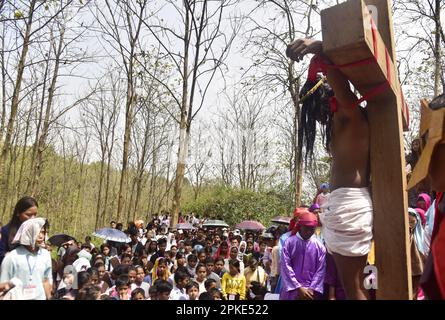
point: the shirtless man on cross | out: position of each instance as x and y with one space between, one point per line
347 216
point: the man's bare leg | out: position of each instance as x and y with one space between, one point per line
352 276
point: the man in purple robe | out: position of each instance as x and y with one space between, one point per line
303 262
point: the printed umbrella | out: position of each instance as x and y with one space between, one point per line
185 226
250 225
112 235
281 220
215 224
59 239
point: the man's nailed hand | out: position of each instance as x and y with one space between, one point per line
297 49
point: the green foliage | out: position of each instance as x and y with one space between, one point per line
236 205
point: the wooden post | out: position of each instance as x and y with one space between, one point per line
348 37
425 116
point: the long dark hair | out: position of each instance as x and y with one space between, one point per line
315 108
21 206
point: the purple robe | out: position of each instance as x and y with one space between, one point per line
303 264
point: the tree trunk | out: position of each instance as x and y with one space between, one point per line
22 165
184 127
47 121
3 115
437 51
127 143
16 93
99 196
180 170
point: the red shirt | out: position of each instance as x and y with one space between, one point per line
438 245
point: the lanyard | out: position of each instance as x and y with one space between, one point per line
31 270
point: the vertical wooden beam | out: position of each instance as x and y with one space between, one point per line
389 192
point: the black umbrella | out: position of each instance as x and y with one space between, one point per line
59 239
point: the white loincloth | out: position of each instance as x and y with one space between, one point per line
347 222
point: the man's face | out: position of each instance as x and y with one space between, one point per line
263 246
134 238
202 257
126 260
233 253
162 247
306 232
219 266
122 290
193 293
95 279
416 145
132 276
164 295
212 285
139 296
201 273
101 270
192 263
180 261
216 240
153 295
184 282
234 242
210 267
412 222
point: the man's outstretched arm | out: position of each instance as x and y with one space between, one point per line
336 79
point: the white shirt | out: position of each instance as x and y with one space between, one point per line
144 286
178 294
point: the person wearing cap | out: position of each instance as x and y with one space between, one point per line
323 196
315 209
293 229
432 164
303 262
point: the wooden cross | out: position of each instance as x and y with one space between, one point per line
351 35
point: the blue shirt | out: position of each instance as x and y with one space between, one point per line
4 245
31 269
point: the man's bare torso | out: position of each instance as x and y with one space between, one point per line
350 152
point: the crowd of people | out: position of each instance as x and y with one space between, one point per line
160 263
